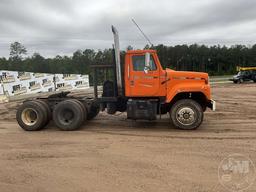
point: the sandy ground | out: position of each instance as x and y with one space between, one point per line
113 154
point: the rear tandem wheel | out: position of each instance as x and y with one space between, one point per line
68 115
32 116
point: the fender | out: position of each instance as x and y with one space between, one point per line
187 87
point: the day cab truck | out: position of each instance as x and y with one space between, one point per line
140 87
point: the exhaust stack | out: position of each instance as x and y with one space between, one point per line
118 61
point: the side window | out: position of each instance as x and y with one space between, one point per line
152 64
138 62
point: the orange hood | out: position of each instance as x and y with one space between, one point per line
187 75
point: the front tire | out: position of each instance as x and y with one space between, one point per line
186 114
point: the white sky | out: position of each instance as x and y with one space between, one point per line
53 27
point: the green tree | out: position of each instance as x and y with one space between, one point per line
39 63
215 60
3 64
17 51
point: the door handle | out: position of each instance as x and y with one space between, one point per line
132 83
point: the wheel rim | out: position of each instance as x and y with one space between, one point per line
186 116
67 116
29 116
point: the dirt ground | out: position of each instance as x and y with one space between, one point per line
113 154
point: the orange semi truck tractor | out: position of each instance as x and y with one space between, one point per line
140 87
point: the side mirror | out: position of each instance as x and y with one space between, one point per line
146 69
147 63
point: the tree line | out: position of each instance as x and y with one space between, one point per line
215 60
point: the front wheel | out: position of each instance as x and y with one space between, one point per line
186 114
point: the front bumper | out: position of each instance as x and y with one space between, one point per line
212 105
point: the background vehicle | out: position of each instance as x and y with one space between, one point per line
245 74
141 87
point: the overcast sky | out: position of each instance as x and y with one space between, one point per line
53 27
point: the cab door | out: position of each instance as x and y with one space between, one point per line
143 80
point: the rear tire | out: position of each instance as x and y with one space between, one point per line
84 108
47 110
111 108
186 114
31 116
68 115
93 111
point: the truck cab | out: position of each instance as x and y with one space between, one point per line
144 79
